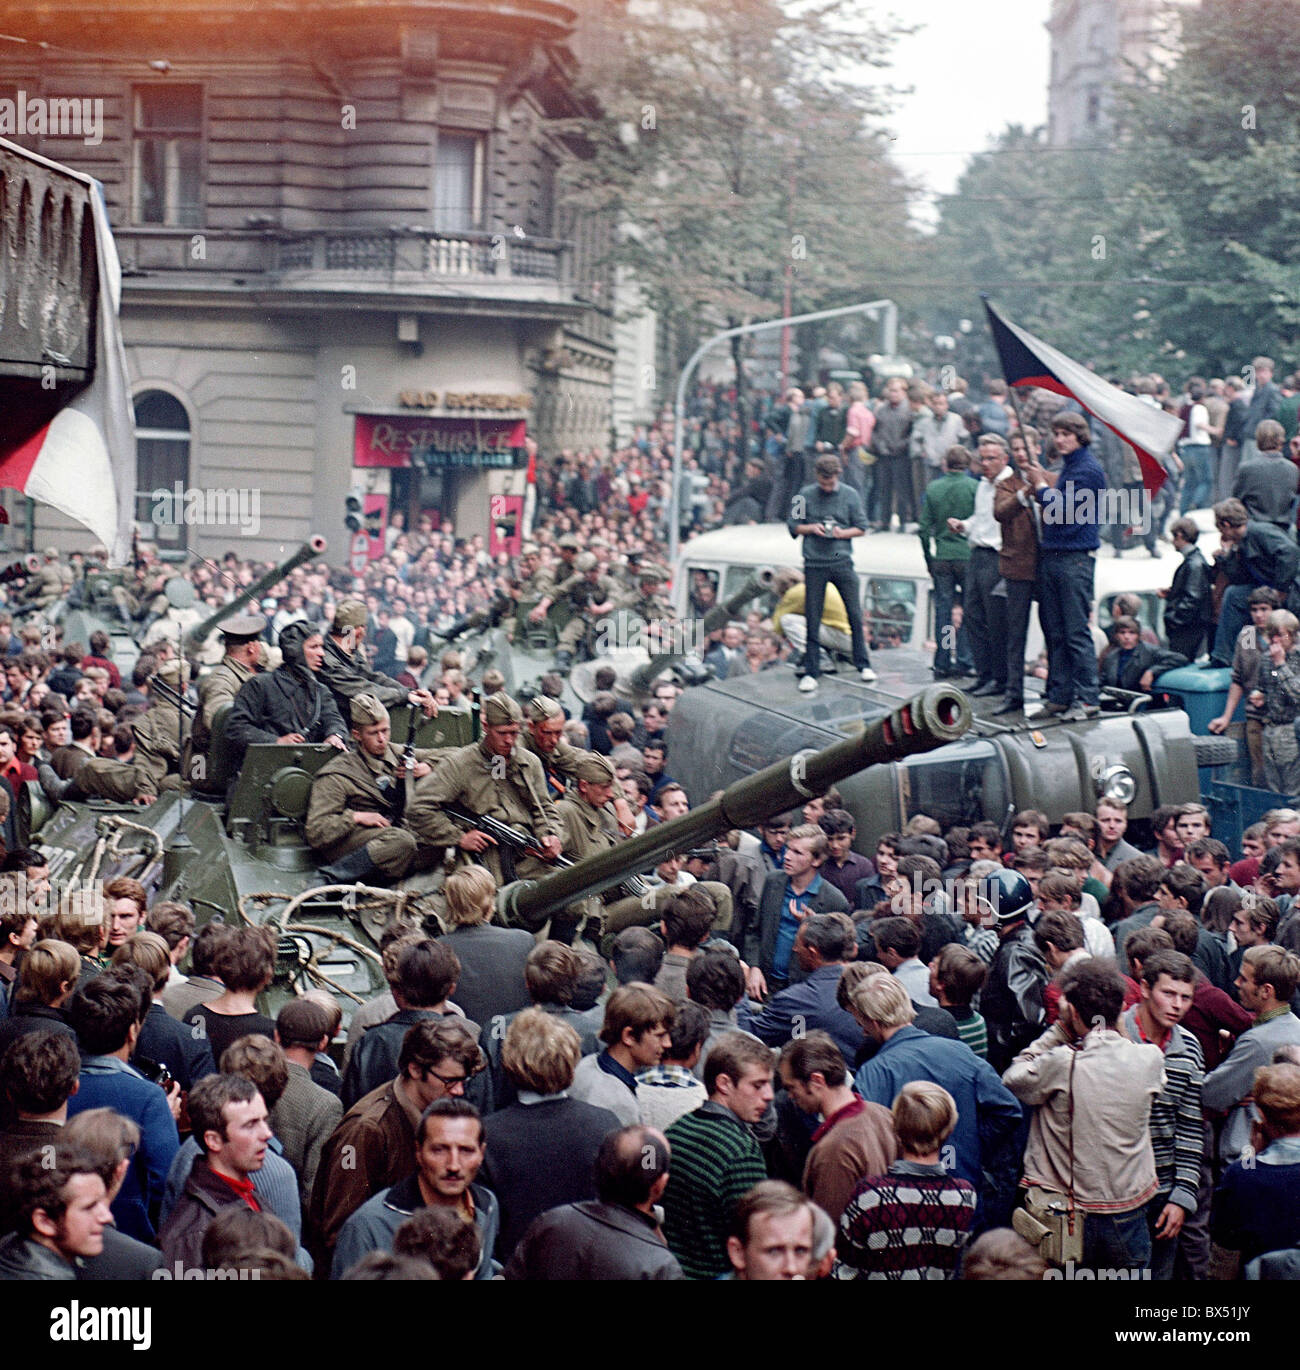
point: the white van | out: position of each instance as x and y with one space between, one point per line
896 592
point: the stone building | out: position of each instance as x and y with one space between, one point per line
345 269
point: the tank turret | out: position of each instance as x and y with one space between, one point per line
931 719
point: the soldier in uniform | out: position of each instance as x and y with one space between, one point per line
647 601
496 778
591 596
589 828
48 584
561 760
289 704
159 733
535 584
345 672
568 547
355 819
241 639
118 777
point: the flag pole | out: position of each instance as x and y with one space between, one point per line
1011 395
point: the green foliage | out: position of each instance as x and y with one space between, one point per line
1193 196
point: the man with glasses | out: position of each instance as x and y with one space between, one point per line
374 1146
448 1155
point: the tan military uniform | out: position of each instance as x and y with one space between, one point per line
603 590
103 778
218 687
158 745
561 765
651 608
46 587
511 789
349 783
587 832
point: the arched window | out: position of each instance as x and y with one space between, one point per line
162 463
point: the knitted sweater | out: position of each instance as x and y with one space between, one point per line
715 1161
908 1225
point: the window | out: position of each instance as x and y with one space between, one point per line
162 460
888 611
961 784
168 140
458 183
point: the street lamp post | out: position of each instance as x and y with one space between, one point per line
679 412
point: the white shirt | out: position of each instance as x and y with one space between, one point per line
982 529
1198 425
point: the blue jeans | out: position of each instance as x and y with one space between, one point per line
1234 614
1117 1241
845 579
949 578
1198 488
1064 603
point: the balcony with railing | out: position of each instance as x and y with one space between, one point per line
414 261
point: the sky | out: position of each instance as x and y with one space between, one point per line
974 66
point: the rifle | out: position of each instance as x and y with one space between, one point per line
407 769
518 843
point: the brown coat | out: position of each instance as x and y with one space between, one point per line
1018 559
371 1149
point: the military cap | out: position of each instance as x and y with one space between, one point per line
568 543
595 769
541 707
243 627
586 562
170 671
352 613
650 573
51 554
530 549
499 709
366 710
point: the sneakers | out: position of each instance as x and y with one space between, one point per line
1080 713
808 684
1052 710
866 673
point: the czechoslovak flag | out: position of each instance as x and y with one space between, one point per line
1027 361
82 462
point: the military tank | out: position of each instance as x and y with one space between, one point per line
247 861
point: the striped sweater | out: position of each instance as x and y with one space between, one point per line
908 1225
1176 1116
715 1161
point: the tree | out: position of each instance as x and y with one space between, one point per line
736 143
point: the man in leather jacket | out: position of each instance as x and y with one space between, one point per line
1012 998
1189 608
289 704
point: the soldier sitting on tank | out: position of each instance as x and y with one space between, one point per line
569 549
533 584
560 759
492 777
647 601
358 804
591 596
241 639
345 672
46 585
289 704
120 778
589 828
160 731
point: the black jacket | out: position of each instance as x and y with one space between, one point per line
1143 658
166 1042
204 1196
593 1241
1265 556
539 1156
282 701
1012 998
1190 603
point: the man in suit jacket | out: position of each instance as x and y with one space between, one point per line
821 947
492 960
789 895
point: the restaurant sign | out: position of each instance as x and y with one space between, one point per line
438 443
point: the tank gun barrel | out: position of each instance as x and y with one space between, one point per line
313 547
936 716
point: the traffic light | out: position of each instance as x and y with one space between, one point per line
353 519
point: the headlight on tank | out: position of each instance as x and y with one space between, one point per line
1117 783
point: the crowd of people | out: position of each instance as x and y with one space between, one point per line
958 1059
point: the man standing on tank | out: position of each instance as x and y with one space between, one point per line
828 515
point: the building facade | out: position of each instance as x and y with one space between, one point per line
1095 46
345 267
